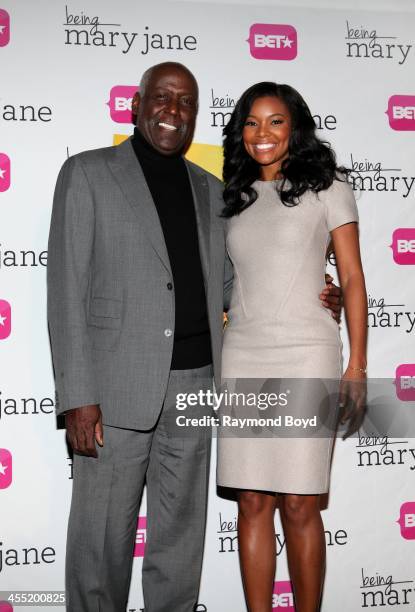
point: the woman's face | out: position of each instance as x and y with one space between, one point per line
266 135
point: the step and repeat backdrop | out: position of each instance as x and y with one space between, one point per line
68 71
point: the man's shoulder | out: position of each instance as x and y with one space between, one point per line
93 156
212 179
214 184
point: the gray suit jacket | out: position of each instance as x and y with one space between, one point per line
111 315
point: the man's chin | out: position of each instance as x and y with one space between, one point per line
168 143
169 149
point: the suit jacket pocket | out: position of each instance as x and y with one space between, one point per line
105 312
104 323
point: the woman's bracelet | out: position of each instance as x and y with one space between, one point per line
363 370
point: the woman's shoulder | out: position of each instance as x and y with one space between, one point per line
339 202
340 188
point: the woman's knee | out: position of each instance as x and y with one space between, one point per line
253 503
299 509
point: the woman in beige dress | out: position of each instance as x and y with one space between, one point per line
285 200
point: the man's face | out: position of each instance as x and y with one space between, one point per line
166 112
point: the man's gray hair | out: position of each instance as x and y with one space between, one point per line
147 74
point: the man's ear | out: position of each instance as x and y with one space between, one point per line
135 103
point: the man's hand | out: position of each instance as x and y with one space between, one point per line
83 427
331 298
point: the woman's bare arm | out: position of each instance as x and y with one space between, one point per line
346 246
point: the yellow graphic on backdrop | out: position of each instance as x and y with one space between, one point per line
119 138
209 157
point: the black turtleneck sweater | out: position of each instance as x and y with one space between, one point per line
169 184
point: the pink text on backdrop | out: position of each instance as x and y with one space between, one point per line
5 319
121 97
4 28
5 170
140 537
401 112
282 596
407 520
6 468
405 382
403 246
273 41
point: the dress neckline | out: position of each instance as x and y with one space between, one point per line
271 181
258 182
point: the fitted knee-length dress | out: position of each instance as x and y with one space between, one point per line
278 328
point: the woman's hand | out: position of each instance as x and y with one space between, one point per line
352 399
332 298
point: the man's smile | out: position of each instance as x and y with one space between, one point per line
167 126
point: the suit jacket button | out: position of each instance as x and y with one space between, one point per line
168 333
169 286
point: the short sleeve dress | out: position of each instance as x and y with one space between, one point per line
278 328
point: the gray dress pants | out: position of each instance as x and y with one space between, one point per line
174 464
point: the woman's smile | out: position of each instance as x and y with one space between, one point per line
266 134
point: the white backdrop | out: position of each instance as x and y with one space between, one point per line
58 64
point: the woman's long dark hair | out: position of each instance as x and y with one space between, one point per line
311 163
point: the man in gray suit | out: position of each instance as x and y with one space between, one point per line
135 306
137 281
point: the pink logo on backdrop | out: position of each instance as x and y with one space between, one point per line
140 537
4 28
4 172
405 382
5 606
5 319
403 246
282 596
121 97
401 112
407 520
273 41
5 468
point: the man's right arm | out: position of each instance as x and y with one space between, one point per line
227 282
218 205
69 265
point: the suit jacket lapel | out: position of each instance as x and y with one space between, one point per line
128 173
200 192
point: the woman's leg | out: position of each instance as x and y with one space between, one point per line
257 549
306 548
